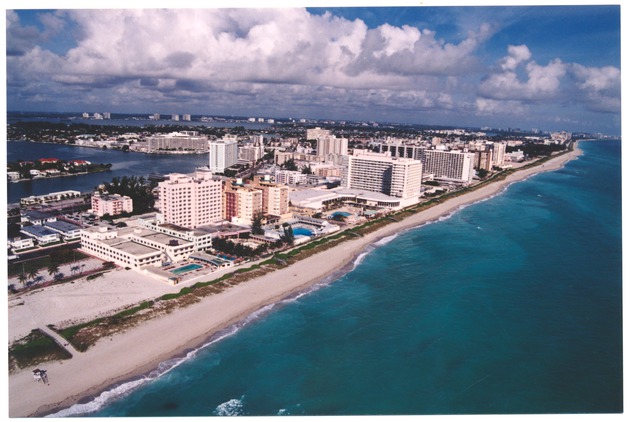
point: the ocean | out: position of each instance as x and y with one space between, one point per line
511 305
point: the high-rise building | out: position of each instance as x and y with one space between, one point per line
175 117
186 117
498 153
241 203
275 197
186 140
191 201
448 165
331 145
397 177
223 153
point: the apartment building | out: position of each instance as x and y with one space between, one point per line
275 197
114 204
186 140
223 153
241 203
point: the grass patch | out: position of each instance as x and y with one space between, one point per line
34 349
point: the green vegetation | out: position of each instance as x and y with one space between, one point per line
137 188
34 349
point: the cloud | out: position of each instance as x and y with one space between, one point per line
539 83
599 87
521 79
516 55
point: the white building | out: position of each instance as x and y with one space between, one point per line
134 247
190 201
111 204
186 140
397 177
223 153
453 166
331 145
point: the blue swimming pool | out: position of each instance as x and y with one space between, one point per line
341 213
186 269
302 231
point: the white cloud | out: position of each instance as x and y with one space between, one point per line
516 55
540 83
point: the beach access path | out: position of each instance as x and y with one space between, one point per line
140 349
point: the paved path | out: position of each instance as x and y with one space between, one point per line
60 340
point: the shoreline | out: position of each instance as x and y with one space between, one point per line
132 354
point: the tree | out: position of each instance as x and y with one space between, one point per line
307 170
53 268
22 278
290 165
288 237
257 223
33 273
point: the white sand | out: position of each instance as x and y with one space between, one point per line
141 349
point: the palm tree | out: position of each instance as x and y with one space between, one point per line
53 268
33 273
22 278
74 269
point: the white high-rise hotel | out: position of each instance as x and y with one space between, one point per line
448 165
397 177
191 201
223 153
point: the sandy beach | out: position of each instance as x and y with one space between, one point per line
140 350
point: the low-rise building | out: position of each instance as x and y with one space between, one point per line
114 204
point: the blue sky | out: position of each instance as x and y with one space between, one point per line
545 67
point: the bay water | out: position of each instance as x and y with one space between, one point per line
511 305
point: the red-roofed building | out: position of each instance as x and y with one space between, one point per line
48 160
77 163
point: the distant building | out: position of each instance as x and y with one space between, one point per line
175 117
186 140
223 153
186 117
114 204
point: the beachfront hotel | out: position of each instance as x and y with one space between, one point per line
190 201
134 247
391 176
454 166
223 153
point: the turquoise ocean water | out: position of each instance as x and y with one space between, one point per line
511 305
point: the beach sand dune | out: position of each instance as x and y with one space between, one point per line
140 349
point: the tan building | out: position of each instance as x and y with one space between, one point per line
110 204
241 203
190 201
275 197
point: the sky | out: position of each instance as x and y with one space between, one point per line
544 67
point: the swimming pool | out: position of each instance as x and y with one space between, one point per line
186 269
302 231
341 213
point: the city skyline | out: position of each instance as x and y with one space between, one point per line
546 67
